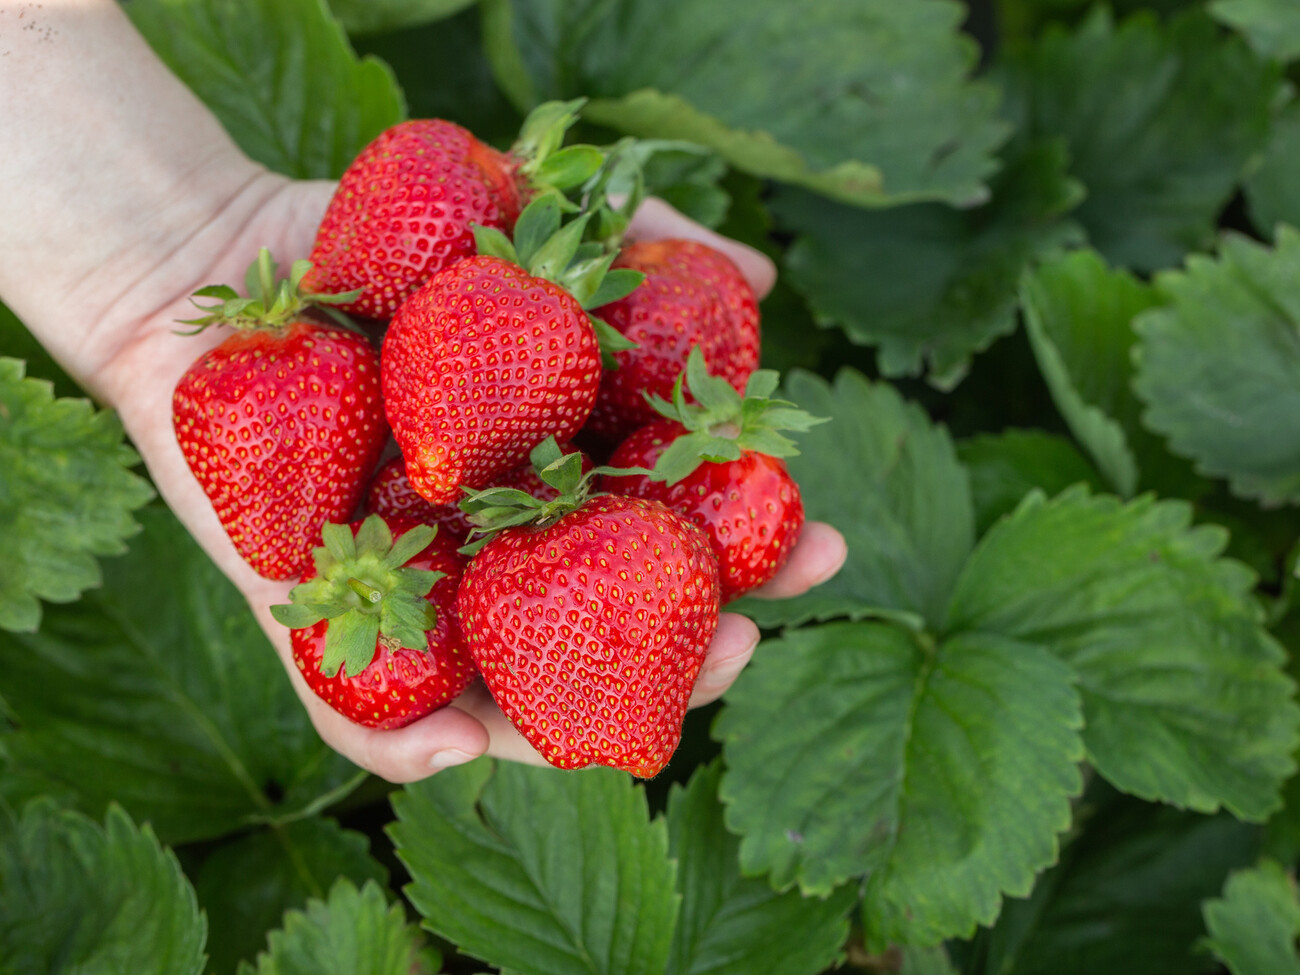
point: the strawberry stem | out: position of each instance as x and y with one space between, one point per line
368 593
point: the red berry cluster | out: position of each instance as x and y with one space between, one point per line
589 626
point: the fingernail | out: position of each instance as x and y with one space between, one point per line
448 757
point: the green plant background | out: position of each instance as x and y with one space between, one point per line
1037 263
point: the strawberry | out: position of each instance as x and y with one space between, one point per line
719 464
405 208
693 296
590 626
392 496
282 422
487 359
375 632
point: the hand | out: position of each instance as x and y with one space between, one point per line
172 205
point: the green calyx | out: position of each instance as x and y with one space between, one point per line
270 303
545 163
722 424
494 509
547 247
365 589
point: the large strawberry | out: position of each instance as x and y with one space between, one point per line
282 422
693 297
374 624
590 626
488 358
719 463
405 208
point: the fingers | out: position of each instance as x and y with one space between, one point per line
655 219
818 555
732 646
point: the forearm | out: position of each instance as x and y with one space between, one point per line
111 166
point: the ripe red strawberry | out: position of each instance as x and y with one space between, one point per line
375 631
693 296
406 206
392 496
481 364
404 210
590 631
282 422
719 464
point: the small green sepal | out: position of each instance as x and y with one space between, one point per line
270 304
494 509
366 590
721 424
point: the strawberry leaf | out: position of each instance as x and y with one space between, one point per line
1194 111
586 889
926 285
905 760
1183 691
353 932
103 708
1218 366
246 883
1271 26
1126 895
916 128
1079 315
75 896
1005 467
735 925
1273 189
1254 926
66 495
280 75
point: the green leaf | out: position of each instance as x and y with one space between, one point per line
1005 467
161 692
1183 692
1271 26
279 75
942 773
66 495
732 925
889 80
1079 315
1219 367
586 887
1125 898
247 883
926 285
376 16
1160 153
1273 189
444 74
75 897
355 932
889 479
1253 928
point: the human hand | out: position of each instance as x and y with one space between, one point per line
286 218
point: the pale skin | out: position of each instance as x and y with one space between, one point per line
122 195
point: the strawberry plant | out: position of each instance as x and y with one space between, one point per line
1037 272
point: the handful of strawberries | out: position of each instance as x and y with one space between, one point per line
486 550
